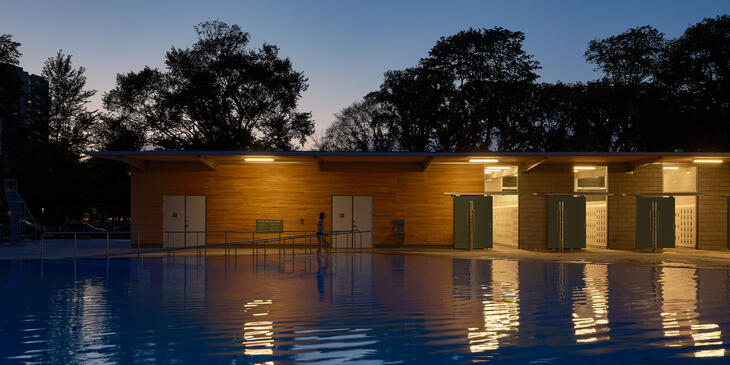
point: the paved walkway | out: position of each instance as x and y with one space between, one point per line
679 257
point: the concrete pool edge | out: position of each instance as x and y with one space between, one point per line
678 257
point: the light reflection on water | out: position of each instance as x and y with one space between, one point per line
590 306
679 314
258 335
501 309
359 308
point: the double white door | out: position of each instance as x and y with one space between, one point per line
183 220
350 214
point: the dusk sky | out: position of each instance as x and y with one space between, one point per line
343 47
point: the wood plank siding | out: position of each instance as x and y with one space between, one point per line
238 194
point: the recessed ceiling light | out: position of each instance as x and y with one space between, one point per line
258 159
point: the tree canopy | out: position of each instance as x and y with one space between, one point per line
217 94
69 122
477 90
465 96
631 57
9 50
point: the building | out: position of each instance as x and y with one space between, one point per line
530 201
24 107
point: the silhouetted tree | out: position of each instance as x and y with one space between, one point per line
629 58
551 109
413 102
24 131
133 106
697 73
627 104
218 94
70 127
476 90
469 94
362 126
9 50
492 76
69 121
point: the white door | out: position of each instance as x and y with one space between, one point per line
195 220
362 220
173 207
341 219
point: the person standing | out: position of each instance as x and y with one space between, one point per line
320 232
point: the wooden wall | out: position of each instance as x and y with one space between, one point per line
622 209
713 186
546 178
238 194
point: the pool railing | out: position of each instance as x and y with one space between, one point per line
353 240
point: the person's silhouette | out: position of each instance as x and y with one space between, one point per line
320 232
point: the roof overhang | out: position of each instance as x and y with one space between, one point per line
409 161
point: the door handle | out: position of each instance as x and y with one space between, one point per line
562 226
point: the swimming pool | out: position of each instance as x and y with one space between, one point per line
366 308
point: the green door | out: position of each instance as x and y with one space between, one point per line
666 236
553 221
482 221
643 222
654 221
575 219
566 219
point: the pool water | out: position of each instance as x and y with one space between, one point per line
364 308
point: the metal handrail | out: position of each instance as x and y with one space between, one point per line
204 231
308 234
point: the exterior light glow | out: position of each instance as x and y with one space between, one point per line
259 159
578 168
482 160
707 160
671 167
498 168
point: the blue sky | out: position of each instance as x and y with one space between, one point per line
343 47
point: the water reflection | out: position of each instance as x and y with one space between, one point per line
501 306
359 308
94 320
258 334
679 314
590 306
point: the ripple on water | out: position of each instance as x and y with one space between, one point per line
359 308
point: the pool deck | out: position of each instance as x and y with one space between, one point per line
679 257
676 257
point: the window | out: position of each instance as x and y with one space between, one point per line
679 178
590 178
500 178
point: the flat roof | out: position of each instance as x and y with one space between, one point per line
140 159
420 154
